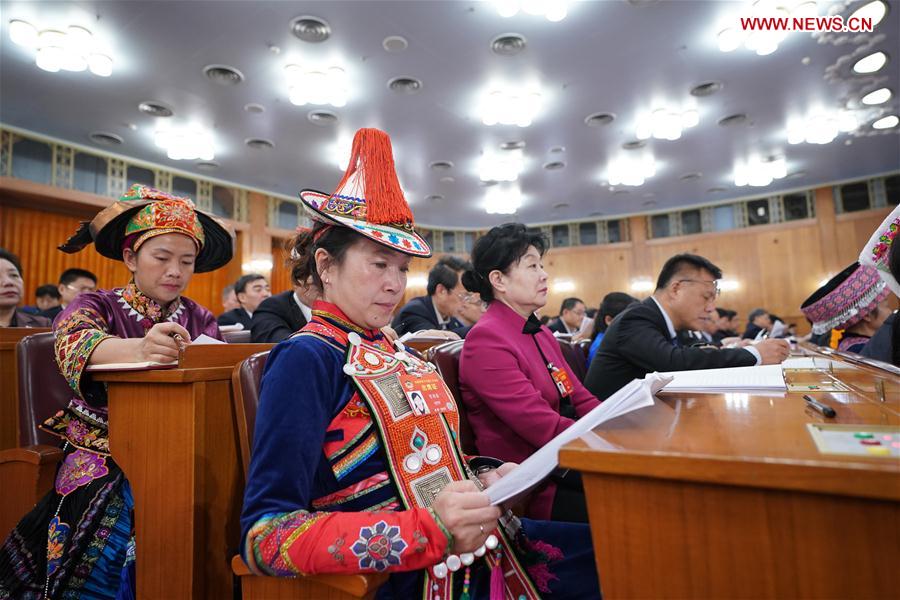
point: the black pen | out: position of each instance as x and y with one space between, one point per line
825 410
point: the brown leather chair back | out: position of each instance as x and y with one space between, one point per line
446 358
245 382
236 337
575 358
42 389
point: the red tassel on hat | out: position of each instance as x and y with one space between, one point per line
373 156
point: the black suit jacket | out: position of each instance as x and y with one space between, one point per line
51 313
235 316
637 342
419 314
751 332
276 318
21 318
557 326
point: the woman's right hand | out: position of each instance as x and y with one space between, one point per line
159 345
467 513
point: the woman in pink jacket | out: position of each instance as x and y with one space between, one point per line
513 376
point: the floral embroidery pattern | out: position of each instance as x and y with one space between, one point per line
379 546
885 240
57 534
144 309
78 469
335 549
269 539
420 540
76 338
80 432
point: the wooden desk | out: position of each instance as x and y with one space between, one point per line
173 433
9 391
726 495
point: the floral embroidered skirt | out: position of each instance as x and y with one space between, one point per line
77 542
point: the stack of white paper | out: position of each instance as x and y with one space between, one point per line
535 468
764 378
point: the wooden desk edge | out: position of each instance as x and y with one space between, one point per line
164 375
865 480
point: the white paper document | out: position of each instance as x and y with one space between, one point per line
203 339
763 378
812 362
534 469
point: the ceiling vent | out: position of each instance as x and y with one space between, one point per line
599 119
513 145
434 198
555 165
207 165
715 190
441 165
322 117
155 109
691 176
508 44
733 120
253 108
561 205
394 43
106 139
405 85
223 74
706 89
259 143
634 145
311 29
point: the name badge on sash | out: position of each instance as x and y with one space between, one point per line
426 393
562 381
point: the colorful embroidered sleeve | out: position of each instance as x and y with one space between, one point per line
302 390
301 542
79 329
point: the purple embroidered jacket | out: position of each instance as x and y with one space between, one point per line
92 318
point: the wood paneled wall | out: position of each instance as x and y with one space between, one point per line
777 266
34 234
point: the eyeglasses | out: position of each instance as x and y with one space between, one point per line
80 290
708 297
467 298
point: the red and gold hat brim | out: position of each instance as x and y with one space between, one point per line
351 212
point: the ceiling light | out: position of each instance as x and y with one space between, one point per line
510 107
502 200
630 169
879 96
642 284
873 10
821 127
552 10
317 86
311 29
186 142
729 285
761 41
562 286
257 265
71 50
886 122
870 63
394 43
664 124
340 153
501 166
758 172
417 281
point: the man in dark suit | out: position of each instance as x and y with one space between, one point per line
280 316
250 290
643 338
72 282
758 321
439 308
571 315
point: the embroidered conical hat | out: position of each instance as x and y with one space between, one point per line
369 199
877 250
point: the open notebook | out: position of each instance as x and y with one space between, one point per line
201 340
763 378
535 468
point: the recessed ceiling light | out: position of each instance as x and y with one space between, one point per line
311 29
599 119
715 190
434 197
554 165
873 10
440 165
395 43
690 176
634 144
106 139
405 85
706 89
512 145
805 60
732 120
879 96
185 142
848 142
155 109
511 104
207 165
322 117
447 179
317 85
259 143
254 108
665 123
557 149
508 44
223 74
871 63
886 122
